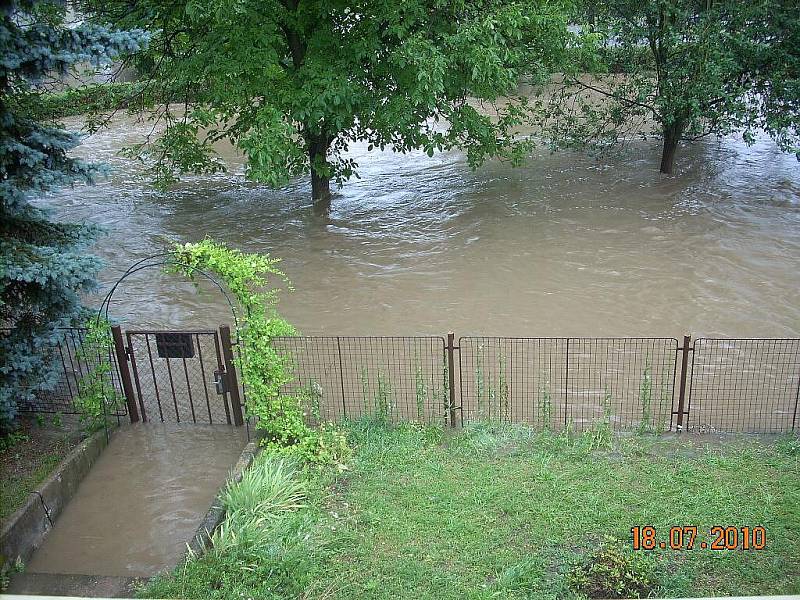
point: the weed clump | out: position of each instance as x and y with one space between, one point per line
613 571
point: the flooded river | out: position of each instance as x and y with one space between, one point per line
564 246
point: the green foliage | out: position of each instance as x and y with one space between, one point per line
600 436
314 395
678 70
97 397
614 571
480 385
546 407
92 98
383 398
293 84
504 408
11 439
269 489
323 446
789 445
260 550
420 392
646 399
445 400
43 265
264 370
521 580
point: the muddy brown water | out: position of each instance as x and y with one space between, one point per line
141 502
565 245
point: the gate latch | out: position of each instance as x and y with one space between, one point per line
220 382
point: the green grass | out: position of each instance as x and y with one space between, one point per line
503 512
16 487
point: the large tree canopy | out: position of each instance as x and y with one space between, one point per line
679 70
42 267
293 82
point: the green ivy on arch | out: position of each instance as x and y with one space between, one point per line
264 371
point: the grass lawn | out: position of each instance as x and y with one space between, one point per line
28 457
504 512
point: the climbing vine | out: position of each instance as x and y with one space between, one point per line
264 371
97 397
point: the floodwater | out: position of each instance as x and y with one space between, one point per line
566 245
142 501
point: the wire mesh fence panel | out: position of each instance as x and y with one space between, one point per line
174 375
569 382
744 385
393 378
74 361
628 381
513 379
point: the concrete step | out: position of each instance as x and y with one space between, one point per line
86 586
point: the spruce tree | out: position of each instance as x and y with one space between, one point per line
43 265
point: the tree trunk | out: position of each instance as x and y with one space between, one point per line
672 135
320 182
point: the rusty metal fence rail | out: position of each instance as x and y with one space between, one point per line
646 384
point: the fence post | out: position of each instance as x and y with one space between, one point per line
687 340
451 378
231 381
124 373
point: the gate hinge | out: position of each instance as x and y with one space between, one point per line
128 353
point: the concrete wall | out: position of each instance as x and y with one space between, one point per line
23 531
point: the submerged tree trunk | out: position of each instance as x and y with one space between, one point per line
672 135
320 180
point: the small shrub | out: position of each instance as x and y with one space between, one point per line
480 385
314 395
614 571
325 446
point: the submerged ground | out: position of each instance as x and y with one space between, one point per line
564 245
504 512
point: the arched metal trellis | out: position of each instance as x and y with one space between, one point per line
174 352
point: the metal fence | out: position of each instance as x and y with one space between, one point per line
176 376
395 378
648 384
73 362
749 385
569 382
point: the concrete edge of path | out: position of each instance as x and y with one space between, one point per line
27 527
199 543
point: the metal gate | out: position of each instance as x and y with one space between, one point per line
179 376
